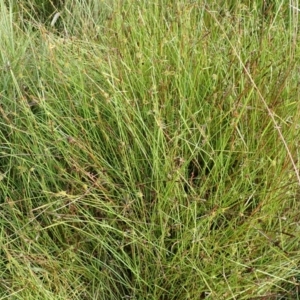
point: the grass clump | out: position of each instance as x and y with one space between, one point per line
151 152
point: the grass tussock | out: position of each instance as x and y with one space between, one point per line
149 150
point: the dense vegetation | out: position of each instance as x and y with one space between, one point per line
149 150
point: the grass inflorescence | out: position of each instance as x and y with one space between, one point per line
149 150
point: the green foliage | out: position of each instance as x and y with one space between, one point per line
149 150
38 10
